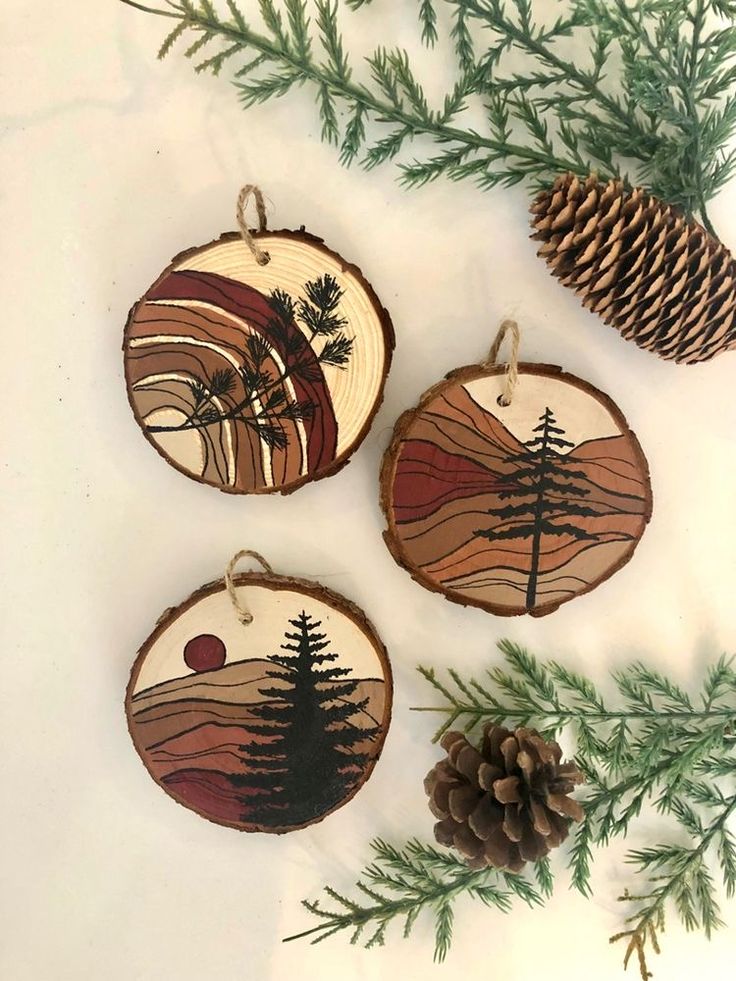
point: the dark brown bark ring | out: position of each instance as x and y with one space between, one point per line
193 322
450 458
162 739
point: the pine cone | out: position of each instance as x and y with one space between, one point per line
506 804
661 280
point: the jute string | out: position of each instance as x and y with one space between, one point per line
512 365
245 616
260 255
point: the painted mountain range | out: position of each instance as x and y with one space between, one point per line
519 525
200 734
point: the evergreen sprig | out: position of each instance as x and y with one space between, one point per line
655 746
400 883
610 86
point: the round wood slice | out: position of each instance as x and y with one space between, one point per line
519 508
256 378
264 727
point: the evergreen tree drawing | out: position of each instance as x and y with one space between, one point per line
543 492
309 761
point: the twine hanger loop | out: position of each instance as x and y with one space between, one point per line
245 616
251 190
508 327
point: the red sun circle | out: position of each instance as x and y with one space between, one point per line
204 653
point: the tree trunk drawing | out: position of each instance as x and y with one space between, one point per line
531 590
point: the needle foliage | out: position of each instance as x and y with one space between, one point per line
653 746
623 87
401 883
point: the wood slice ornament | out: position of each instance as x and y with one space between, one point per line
514 488
261 702
257 363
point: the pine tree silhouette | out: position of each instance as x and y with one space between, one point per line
308 762
543 491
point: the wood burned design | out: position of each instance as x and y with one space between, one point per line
514 508
267 727
257 378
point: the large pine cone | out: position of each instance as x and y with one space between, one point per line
506 804
661 280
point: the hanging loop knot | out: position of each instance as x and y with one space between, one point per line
512 365
260 255
245 616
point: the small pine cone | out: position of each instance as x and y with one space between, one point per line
658 278
505 804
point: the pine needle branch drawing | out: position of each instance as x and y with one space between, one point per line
267 400
656 746
668 108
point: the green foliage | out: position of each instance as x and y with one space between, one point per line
656 745
612 86
400 883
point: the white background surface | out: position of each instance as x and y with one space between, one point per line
111 165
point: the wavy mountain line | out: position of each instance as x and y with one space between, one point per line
434 422
190 730
462 581
543 573
221 749
505 546
504 438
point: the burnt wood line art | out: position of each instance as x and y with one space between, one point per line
542 495
270 742
233 384
309 757
511 524
262 376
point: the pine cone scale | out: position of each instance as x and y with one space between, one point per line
492 739
505 803
488 774
444 832
539 816
486 818
565 806
467 761
532 847
507 790
461 800
509 752
512 823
